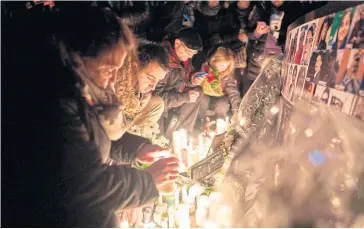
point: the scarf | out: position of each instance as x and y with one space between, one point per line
102 101
212 84
175 62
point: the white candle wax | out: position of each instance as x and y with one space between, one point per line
220 126
182 215
177 144
210 224
201 148
224 216
171 218
183 136
124 224
202 201
184 193
201 214
176 196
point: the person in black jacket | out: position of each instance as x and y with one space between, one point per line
59 175
175 89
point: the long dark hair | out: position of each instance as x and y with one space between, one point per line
321 44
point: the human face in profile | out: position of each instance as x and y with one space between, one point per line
149 77
183 52
103 68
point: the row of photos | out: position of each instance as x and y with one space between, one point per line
324 61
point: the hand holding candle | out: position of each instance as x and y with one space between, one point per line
164 171
149 153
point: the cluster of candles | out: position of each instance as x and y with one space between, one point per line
188 152
209 211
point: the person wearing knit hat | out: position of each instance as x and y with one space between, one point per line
176 89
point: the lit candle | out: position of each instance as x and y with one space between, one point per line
183 135
177 144
171 217
182 215
164 224
220 126
224 216
210 224
184 193
176 196
201 214
215 199
201 148
202 201
124 224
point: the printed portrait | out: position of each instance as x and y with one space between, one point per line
307 47
341 28
324 25
356 33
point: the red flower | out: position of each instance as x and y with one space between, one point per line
210 77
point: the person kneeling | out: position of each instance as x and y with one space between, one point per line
218 84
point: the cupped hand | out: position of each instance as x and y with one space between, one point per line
164 170
150 153
262 28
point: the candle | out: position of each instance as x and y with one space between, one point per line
182 215
176 196
201 215
220 126
209 224
183 135
201 148
164 224
215 199
224 215
177 148
171 217
202 201
184 193
124 224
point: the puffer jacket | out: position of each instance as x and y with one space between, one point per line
172 87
